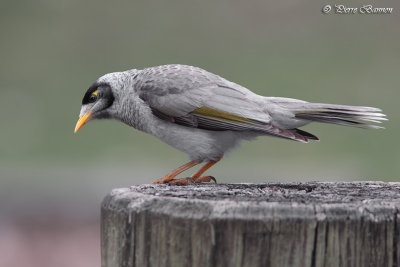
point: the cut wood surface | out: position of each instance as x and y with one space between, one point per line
272 224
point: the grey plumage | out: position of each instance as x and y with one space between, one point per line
206 115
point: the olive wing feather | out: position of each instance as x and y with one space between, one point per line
196 98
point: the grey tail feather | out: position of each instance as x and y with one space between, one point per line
356 116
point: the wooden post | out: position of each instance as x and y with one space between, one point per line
273 224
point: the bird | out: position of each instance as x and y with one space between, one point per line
206 115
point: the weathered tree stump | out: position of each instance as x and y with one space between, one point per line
273 224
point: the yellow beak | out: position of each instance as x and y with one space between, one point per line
82 121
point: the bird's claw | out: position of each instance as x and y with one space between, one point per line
182 181
187 180
205 179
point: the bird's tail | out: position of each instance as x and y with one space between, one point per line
356 116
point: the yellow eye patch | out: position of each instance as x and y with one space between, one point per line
95 93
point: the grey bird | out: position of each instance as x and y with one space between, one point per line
205 115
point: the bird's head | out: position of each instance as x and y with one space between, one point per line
95 103
101 97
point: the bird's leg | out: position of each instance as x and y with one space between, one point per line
197 178
170 176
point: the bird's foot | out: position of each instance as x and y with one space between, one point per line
186 181
205 179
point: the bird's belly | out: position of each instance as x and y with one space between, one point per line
197 143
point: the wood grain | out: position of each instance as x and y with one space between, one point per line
273 224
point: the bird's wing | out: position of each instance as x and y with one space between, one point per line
203 100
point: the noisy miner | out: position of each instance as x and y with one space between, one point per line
205 115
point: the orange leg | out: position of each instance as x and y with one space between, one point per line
196 178
201 179
170 176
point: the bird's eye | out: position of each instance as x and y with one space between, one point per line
92 98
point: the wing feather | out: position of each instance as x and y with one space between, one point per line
193 97
177 90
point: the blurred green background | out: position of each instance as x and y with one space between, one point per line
51 51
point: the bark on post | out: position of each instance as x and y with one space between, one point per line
273 224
